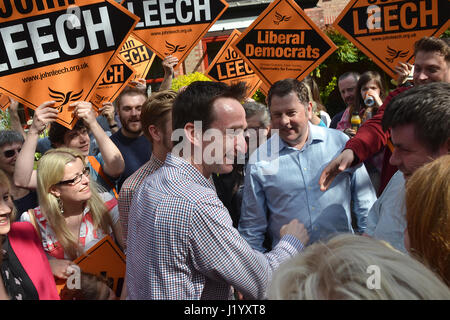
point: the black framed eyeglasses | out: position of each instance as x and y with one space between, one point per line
77 179
11 153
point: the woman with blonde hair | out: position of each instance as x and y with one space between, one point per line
72 216
351 267
25 273
427 235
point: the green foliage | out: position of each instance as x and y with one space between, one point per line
325 93
259 97
5 122
187 79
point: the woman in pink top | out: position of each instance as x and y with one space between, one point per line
25 273
73 216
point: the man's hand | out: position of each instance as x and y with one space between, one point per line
296 229
139 83
43 115
107 110
61 268
350 132
13 105
84 111
402 70
336 166
168 64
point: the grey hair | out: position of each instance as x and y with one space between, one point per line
252 108
10 137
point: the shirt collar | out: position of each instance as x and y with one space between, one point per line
315 134
188 170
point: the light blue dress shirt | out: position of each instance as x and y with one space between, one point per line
282 183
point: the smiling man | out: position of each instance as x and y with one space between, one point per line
283 186
419 121
181 242
134 146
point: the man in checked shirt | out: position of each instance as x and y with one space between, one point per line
181 242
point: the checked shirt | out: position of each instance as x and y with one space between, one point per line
182 245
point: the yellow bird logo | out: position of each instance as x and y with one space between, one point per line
280 18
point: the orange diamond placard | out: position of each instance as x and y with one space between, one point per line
174 27
115 80
59 50
283 42
387 30
138 55
228 66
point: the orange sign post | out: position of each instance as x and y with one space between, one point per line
115 80
138 55
59 50
229 67
283 42
387 30
174 27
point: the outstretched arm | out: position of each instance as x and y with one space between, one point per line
113 160
14 117
24 175
168 64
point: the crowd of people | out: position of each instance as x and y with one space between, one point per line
212 195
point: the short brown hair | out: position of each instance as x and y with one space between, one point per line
431 44
129 91
155 110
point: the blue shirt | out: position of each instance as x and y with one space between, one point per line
282 183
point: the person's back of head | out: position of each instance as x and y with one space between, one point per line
351 267
427 107
92 287
427 202
155 110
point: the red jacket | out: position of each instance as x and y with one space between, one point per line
370 138
28 249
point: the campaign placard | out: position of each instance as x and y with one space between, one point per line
174 27
138 55
387 30
4 102
228 66
119 74
107 260
283 42
59 50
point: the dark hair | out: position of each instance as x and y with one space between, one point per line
363 79
282 88
196 101
57 132
427 107
10 137
155 109
129 91
431 44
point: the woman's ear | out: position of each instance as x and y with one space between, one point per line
55 191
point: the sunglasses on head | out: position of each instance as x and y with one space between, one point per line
11 153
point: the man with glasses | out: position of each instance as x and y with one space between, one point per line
10 145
